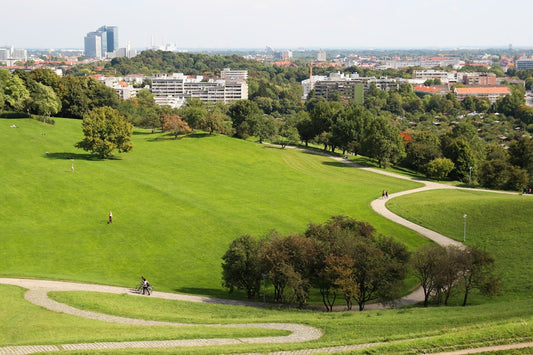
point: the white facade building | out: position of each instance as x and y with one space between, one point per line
211 91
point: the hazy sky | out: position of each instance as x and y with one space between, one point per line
278 23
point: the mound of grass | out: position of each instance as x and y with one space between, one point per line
501 223
177 204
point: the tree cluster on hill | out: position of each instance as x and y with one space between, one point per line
443 272
345 258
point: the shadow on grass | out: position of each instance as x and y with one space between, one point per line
144 133
338 164
77 156
212 292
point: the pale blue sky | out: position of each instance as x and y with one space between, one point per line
278 23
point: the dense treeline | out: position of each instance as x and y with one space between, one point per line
346 258
42 92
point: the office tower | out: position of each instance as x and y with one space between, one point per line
100 42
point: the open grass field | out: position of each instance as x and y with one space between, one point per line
178 204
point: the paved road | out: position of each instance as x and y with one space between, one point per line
38 294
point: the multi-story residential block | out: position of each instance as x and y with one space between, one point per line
350 87
233 75
307 84
493 93
524 64
210 91
479 79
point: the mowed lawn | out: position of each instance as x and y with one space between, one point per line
500 223
177 204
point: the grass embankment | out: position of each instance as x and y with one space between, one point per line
177 204
500 223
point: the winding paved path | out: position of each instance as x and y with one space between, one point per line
38 294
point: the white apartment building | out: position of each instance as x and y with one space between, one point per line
228 74
211 91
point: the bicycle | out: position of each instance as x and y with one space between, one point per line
140 287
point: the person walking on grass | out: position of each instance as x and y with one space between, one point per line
110 217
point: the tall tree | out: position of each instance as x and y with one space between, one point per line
241 268
382 141
105 130
426 262
44 100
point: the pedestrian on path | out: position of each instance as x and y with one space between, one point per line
110 217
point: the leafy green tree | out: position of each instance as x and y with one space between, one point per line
521 154
423 148
147 112
241 268
263 127
74 101
15 94
44 100
462 156
240 111
105 130
194 112
382 141
508 105
439 168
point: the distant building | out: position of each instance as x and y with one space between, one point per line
99 43
493 93
233 75
111 36
321 56
307 83
524 64
349 88
180 86
479 79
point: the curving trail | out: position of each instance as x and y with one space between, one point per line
38 294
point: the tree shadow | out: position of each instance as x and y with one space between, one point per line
212 292
137 133
337 164
77 156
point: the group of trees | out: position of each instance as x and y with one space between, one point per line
443 272
43 92
342 257
346 258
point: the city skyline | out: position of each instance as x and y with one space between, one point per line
280 24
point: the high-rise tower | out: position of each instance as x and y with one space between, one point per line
100 42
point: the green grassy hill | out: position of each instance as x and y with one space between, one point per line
177 204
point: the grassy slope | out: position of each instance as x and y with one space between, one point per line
190 199
176 204
500 223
